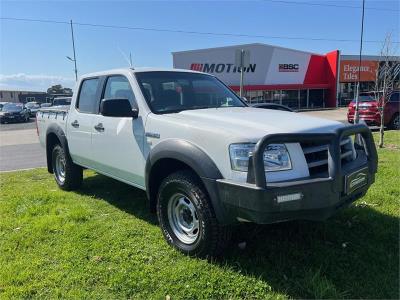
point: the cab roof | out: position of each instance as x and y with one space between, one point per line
137 70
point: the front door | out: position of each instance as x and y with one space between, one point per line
117 143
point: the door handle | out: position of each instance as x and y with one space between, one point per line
75 124
99 127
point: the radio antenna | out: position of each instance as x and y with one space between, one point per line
128 60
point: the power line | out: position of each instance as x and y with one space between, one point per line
190 32
331 5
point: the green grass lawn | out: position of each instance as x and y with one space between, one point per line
101 242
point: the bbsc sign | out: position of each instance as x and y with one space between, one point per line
288 68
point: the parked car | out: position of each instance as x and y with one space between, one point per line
33 108
45 105
2 104
204 157
369 110
62 101
14 112
273 106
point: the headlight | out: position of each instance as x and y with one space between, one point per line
276 157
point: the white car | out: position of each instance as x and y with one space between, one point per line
205 158
33 108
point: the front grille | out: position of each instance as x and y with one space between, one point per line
316 154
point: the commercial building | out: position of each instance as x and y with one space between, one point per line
29 96
23 96
369 70
294 78
298 79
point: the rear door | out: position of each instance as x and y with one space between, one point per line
118 142
80 122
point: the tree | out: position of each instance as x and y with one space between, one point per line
58 89
385 80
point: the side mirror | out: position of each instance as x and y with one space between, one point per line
118 108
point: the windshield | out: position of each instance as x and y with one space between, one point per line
32 105
365 98
12 106
168 92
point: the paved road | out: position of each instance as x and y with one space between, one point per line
18 126
19 147
23 156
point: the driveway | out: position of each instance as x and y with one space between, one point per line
20 148
339 114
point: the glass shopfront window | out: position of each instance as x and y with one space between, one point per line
303 99
295 99
348 91
290 98
268 96
316 98
276 97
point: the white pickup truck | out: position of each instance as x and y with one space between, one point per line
206 160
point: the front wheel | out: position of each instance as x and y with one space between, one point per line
68 175
187 218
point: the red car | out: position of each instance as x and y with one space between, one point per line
369 110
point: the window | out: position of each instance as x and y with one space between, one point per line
290 98
276 97
168 92
303 99
316 98
87 95
118 87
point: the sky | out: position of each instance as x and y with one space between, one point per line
33 54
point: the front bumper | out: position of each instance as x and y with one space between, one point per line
368 118
12 118
258 201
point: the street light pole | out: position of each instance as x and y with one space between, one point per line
73 48
356 113
241 73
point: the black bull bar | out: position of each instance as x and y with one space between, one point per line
256 171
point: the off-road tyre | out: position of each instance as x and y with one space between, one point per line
71 175
212 238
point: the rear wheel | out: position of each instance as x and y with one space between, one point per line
68 175
187 218
395 122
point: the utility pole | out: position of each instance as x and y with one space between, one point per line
356 113
241 72
73 48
